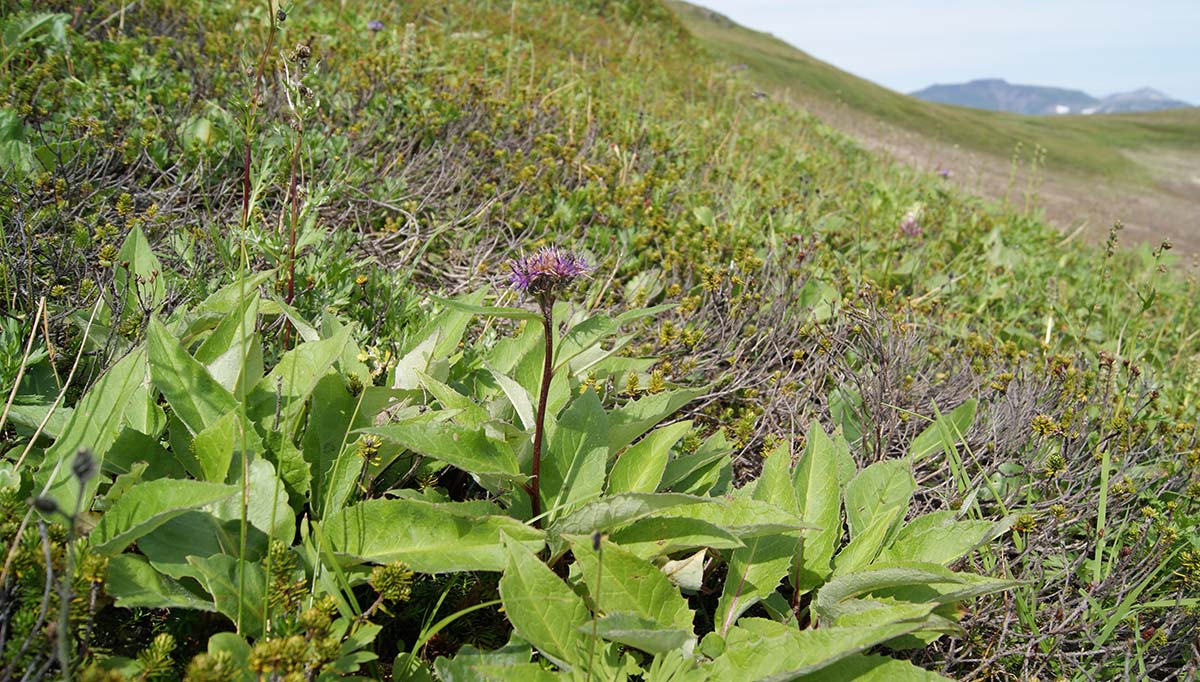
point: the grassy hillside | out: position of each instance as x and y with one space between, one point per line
292 389
1088 145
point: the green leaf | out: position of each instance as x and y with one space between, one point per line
134 583
618 581
741 517
290 384
872 668
232 353
94 424
238 588
199 533
216 446
266 502
819 498
863 548
518 397
940 539
430 538
883 579
148 506
138 277
930 443
15 151
543 610
636 417
876 490
576 456
608 512
639 632
681 471
195 397
756 570
469 449
660 536
326 438
765 651
487 311
640 468
467 411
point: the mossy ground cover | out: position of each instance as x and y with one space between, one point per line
401 151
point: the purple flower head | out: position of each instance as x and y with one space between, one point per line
547 271
943 172
375 26
910 225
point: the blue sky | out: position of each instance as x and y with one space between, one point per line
1098 46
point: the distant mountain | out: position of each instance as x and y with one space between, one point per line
999 95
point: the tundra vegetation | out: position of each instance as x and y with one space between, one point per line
298 299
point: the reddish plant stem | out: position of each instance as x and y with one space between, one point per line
535 491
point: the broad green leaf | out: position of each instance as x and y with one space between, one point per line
638 632
611 511
518 397
238 651
222 303
199 533
660 536
618 581
775 486
765 651
819 498
138 277
238 589
288 387
195 397
636 417
714 452
863 548
583 336
469 449
756 570
326 439
640 468
543 610
222 442
148 506
266 502
877 490
940 539
232 353
467 412
575 457
133 583
741 517
430 538
15 150
935 585
872 668
930 443
94 424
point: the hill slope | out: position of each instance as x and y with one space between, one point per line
1150 162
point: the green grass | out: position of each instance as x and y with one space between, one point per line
1086 145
